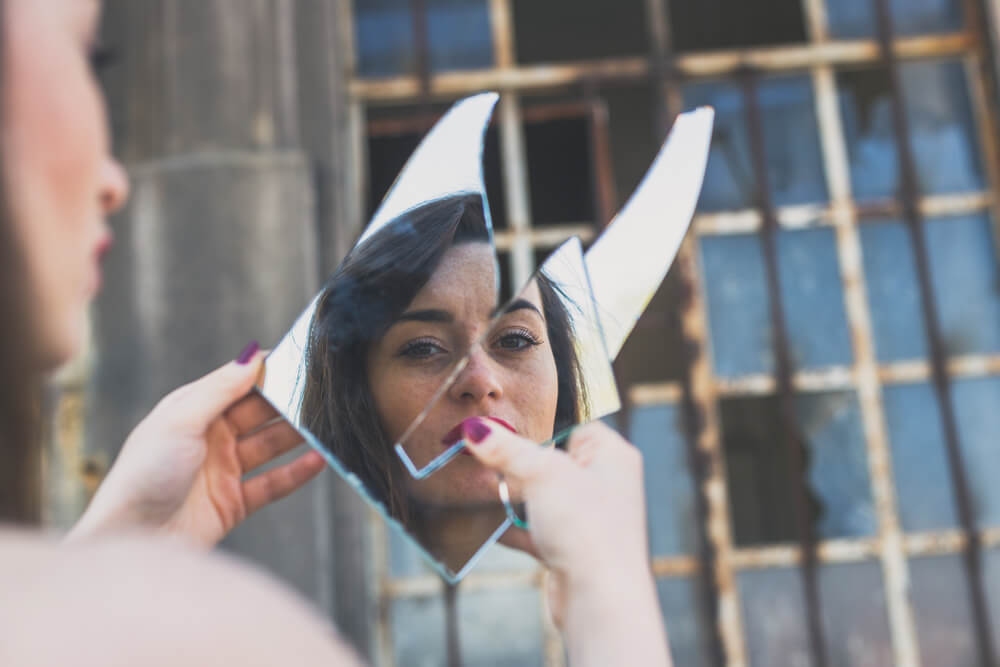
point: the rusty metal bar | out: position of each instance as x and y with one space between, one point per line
525 78
699 405
784 370
909 186
453 648
421 46
602 173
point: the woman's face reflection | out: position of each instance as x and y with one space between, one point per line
511 374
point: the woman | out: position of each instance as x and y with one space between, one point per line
105 600
389 328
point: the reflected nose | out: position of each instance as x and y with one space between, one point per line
478 380
113 186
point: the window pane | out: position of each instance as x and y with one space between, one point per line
559 170
684 615
791 139
812 297
670 493
977 409
761 494
458 35
855 621
919 458
726 24
500 627
384 34
893 292
418 631
941 129
562 30
965 278
856 18
738 302
774 615
938 588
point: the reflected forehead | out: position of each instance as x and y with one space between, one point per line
464 278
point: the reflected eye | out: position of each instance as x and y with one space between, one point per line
517 340
421 349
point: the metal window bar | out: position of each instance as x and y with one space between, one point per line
910 189
784 370
700 410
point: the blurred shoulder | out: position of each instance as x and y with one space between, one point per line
150 601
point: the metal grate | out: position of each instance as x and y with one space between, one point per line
716 562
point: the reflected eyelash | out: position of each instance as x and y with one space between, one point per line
532 339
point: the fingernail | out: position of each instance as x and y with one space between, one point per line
475 429
247 354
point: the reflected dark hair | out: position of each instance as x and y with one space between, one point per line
20 444
374 285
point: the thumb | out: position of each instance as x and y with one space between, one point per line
517 458
196 404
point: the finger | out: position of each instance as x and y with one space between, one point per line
590 440
515 457
251 413
266 445
198 403
276 484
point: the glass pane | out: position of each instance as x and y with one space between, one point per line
893 292
384 36
729 182
656 350
938 589
684 614
855 621
458 35
405 559
670 493
868 131
726 24
562 30
965 277
977 409
774 615
812 297
738 303
418 631
941 129
919 458
500 627
856 18
791 138
762 497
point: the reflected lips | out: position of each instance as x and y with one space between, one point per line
455 434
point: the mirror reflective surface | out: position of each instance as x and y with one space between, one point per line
406 339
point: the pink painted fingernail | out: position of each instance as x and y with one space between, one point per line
475 429
247 354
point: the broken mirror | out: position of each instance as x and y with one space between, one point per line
407 339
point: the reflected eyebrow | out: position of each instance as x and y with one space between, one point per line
430 315
520 304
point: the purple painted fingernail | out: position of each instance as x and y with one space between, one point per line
247 354
475 429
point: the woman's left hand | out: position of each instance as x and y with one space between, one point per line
181 471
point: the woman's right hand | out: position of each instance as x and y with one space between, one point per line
586 512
